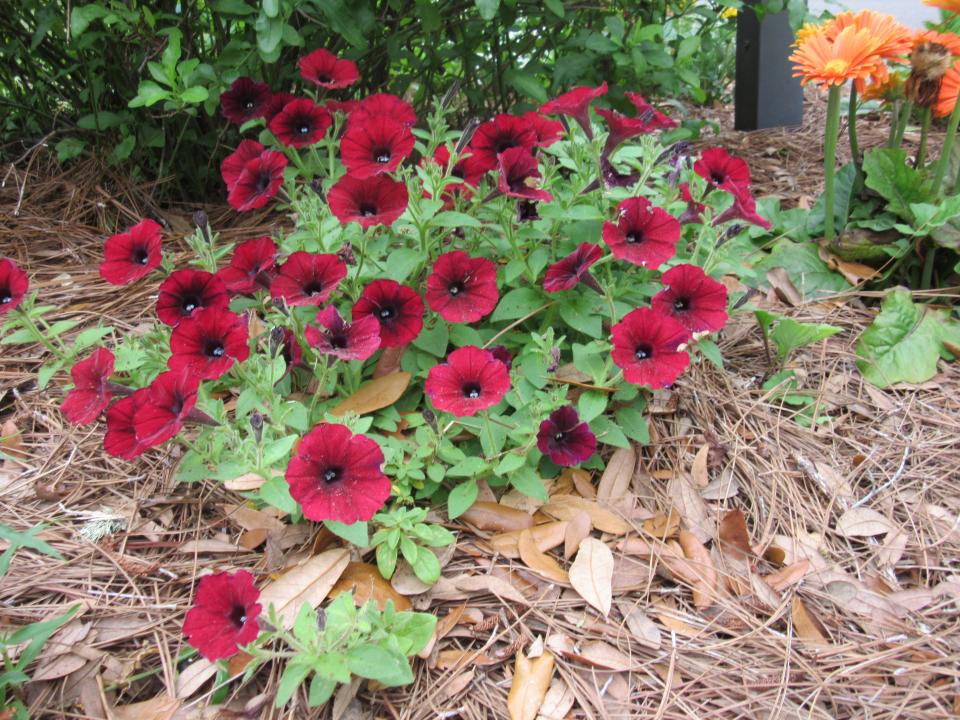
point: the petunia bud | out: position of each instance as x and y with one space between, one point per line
555 360
280 304
317 187
467 135
202 222
276 341
430 418
256 423
346 255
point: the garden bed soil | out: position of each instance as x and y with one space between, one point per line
862 510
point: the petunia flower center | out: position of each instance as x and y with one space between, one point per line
304 129
367 210
681 304
634 236
190 303
387 312
717 178
471 390
248 105
214 349
263 182
238 616
338 340
324 78
314 287
6 296
381 155
140 255
505 144
331 474
643 352
455 288
558 437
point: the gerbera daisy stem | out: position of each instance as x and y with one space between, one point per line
948 139
894 114
905 112
830 158
924 132
852 127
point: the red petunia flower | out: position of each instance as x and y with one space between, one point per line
245 100
719 167
250 266
498 135
259 181
323 68
744 207
644 235
469 381
462 288
224 614
184 292
348 341
575 104
170 398
130 255
308 278
695 299
209 343
654 119
91 393
573 269
234 163
645 346
278 101
121 439
377 200
291 351
13 285
694 211
466 169
374 145
501 353
397 308
336 475
623 128
384 104
520 176
344 107
565 439
547 131
300 123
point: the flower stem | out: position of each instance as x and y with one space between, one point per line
928 263
924 131
30 325
905 112
947 149
852 127
894 114
830 158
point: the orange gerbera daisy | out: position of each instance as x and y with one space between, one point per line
851 56
949 89
950 41
894 39
804 32
889 89
951 5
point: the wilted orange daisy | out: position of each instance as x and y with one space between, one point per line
950 41
851 56
949 89
951 5
894 40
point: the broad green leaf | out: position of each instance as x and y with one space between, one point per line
378 663
195 94
488 8
889 174
232 7
148 94
634 425
69 148
811 275
355 533
461 498
276 493
293 675
788 334
526 84
518 303
844 183
451 219
608 432
413 630
426 567
278 449
527 481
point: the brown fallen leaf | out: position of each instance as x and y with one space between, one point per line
662 525
245 483
578 528
564 507
557 702
706 585
489 584
161 707
547 536
531 678
863 522
494 516
539 562
673 619
805 625
376 394
789 575
614 486
447 659
640 625
307 583
694 514
456 685
734 536
366 583
250 519
783 287
194 676
854 272
591 574
605 655
698 472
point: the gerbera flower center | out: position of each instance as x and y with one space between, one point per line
214 349
367 210
681 304
455 288
387 312
382 155
836 66
471 390
140 256
238 616
190 303
643 352
331 474
635 236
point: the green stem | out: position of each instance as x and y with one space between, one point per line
928 263
924 131
31 326
905 112
894 114
830 159
852 127
947 149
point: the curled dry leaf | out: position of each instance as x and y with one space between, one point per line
307 583
614 486
457 684
706 586
734 536
577 529
564 507
493 516
641 627
789 575
558 701
863 522
591 574
531 678
662 525
250 519
540 563
366 583
161 707
698 472
547 536
783 287
377 394
605 655
693 510
489 584
805 624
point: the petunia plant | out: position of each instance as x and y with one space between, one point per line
449 308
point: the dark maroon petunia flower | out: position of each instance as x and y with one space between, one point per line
234 163
384 104
744 207
224 614
575 104
323 68
120 439
565 439
344 107
547 131
469 381
291 350
374 145
336 475
623 128
300 123
209 343
466 169
644 235
245 100
614 178
308 278
719 167
259 181
520 176
645 346
184 292
348 341
278 101
13 285
130 255
377 200
499 135
501 353
91 389
694 298
250 266
462 288
397 308
573 269
654 119
170 398
694 211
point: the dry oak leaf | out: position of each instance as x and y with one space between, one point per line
640 625
705 586
538 562
863 522
734 536
558 701
307 583
789 575
489 584
662 525
547 536
805 624
698 472
564 507
494 516
591 574
161 707
692 508
578 528
377 394
366 583
614 485
531 679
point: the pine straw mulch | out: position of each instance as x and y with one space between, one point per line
838 596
